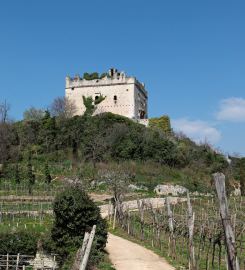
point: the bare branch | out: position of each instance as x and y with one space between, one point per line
63 106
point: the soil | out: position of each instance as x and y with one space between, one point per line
126 255
99 197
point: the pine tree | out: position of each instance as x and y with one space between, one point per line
47 173
4 169
30 177
242 181
17 174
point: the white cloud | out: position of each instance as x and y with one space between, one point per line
231 109
198 130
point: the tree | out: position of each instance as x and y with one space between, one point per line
47 132
76 213
242 181
117 180
17 174
161 123
47 173
63 107
33 114
30 177
4 109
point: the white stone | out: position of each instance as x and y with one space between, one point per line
166 189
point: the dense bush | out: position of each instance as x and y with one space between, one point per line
76 213
14 242
91 76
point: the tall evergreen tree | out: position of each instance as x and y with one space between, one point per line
242 181
17 174
30 177
47 132
4 169
47 173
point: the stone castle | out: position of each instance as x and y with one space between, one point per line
124 95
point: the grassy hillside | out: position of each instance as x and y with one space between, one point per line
83 144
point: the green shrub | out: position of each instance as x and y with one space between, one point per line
103 75
19 242
91 76
76 213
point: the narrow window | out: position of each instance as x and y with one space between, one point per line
115 98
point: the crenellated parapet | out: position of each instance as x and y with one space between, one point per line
114 78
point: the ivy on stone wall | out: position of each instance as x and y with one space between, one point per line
88 103
100 99
103 75
161 123
90 108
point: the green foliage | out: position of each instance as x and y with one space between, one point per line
161 123
100 99
47 173
30 177
75 213
91 76
242 181
17 174
33 114
4 168
228 187
47 133
19 242
103 75
90 108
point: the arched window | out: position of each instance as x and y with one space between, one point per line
96 97
115 98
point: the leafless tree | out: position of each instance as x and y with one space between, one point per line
117 179
63 106
4 109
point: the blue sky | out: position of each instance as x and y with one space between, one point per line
190 54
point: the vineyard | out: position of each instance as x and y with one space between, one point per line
193 233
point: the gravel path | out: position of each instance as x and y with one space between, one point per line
126 255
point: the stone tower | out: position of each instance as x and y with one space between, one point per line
124 95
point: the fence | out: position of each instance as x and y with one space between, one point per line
193 233
19 262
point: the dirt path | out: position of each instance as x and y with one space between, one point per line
126 255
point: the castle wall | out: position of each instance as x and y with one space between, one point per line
131 96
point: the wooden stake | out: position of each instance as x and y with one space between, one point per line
171 229
219 180
109 208
191 231
115 213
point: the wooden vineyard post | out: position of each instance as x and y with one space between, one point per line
87 252
18 257
127 207
156 222
171 229
191 231
141 219
54 264
7 262
115 213
109 208
219 180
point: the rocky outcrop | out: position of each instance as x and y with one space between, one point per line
156 202
166 189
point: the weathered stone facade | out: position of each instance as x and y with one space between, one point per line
124 95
